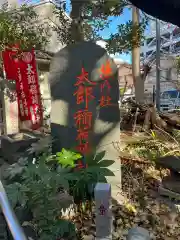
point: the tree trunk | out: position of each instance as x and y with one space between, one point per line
137 79
76 26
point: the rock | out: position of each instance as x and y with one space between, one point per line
138 233
101 122
170 162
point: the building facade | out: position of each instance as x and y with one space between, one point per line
169 50
169 41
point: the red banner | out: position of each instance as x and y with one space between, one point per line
23 70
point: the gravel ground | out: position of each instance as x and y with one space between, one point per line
142 207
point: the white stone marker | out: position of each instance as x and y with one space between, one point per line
103 211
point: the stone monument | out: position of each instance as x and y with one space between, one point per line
84 110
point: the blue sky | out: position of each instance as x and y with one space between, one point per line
113 29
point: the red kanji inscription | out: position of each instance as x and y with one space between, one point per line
82 136
105 84
83 78
83 119
80 164
105 70
105 101
83 148
84 94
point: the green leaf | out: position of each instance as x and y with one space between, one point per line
15 194
67 158
73 176
14 170
105 163
102 179
99 156
62 170
106 172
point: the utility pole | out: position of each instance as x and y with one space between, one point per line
158 86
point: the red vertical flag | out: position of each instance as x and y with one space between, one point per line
22 68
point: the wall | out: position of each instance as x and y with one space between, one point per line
125 75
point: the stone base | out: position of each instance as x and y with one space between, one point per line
14 145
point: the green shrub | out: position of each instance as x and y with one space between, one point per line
39 182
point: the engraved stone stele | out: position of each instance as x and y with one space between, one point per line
65 68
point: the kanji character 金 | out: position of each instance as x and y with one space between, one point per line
83 119
102 210
84 94
105 101
83 78
105 70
